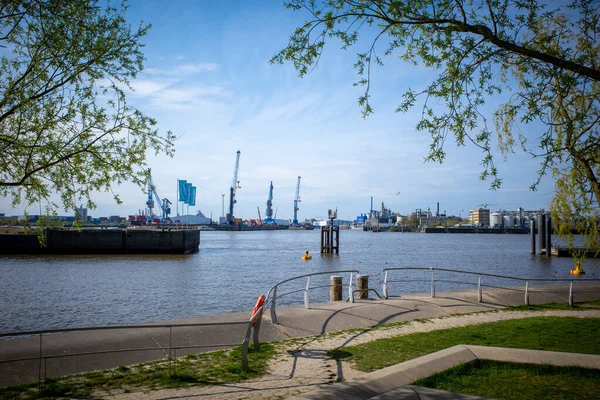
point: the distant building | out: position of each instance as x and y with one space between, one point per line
81 214
116 219
198 219
479 217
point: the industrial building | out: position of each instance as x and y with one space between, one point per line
479 217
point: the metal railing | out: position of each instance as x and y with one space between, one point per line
272 296
253 328
479 285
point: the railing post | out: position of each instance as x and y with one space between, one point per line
526 293
306 300
351 288
257 322
385 288
273 303
479 296
432 284
40 367
245 347
571 294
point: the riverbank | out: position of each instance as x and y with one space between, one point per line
302 364
294 322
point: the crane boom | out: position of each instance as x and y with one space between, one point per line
235 184
296 201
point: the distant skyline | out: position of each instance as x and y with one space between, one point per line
208 79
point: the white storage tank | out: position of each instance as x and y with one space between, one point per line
496 220
509 221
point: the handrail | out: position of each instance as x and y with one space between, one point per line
253 324
271 299
479 285
486 274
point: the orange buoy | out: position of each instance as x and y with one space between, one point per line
577 270
259 303
306 256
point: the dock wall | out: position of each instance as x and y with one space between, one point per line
476 230
104 241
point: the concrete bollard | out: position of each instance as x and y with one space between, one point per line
362 284
335 288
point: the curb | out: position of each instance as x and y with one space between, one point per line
396 376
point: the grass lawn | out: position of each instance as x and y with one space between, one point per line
193 369
517 381
567 334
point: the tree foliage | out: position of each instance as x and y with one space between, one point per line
537 62
65 124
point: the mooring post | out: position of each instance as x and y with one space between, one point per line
337 240
335 288
548 237
541 234
362 284
322 240
330 235
532 227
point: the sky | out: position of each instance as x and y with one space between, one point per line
208 79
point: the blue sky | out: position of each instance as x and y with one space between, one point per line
208 79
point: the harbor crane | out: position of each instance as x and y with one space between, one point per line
163 204
296 201
259 221
235 184
269 213
485 205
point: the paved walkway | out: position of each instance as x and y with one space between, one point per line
293 322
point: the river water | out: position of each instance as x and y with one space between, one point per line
233 268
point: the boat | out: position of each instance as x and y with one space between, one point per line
302 227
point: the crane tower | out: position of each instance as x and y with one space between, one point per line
235 184
296 201
269 213
150 201
163 204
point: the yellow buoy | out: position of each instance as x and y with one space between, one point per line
577 270
306 256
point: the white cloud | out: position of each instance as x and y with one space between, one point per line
183 69
148 87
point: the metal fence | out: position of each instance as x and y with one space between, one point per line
272 295
481 281
433 281
252 332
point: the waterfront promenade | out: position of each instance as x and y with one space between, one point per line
294 322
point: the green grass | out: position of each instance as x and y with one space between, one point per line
538 333
555 306
517 381
215 367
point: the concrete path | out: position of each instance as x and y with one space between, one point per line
293 322
394 382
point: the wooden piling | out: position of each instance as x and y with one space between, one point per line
362 285
335 288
